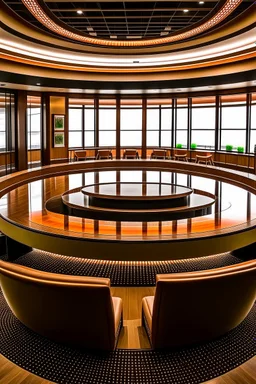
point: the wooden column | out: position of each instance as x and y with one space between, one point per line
118 135
46 130
21 133
144 129
96 123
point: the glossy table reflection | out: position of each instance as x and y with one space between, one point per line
234 209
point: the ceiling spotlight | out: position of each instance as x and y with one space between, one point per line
93 34
79 11
164 33
185 10
168 28
38 83
133 37
201 2
89 28
113 36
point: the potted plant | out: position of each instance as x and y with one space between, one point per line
229 148
193 145
179 146
240 149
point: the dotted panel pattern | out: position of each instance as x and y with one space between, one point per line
34 7
65 365
121 273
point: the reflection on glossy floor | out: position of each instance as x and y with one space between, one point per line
26 206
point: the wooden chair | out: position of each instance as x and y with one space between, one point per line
194 307
206 159
159 154
104 154
79 155
75 310
182 156
130 154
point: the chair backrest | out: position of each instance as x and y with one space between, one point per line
131 153
103 154
159 153
75 310
198 306
80 154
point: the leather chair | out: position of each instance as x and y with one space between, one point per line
104 154
198 306
75 310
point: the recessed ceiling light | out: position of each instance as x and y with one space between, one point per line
168 28
89 28
113 36
164 33
79 11
38 83
93 34
201 2
185 10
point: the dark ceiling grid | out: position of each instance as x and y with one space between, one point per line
116 19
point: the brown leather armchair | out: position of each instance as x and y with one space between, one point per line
79 155
131 154
75 310
198 306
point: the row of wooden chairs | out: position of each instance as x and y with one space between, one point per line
103 154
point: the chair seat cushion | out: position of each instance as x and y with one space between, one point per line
118 308
147 307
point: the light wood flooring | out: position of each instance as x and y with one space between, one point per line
132 336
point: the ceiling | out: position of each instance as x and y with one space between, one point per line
133 20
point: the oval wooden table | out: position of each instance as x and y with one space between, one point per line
25 219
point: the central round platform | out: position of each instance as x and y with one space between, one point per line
136 195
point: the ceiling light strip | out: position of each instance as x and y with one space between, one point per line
35 9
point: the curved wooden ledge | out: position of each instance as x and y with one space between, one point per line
107 248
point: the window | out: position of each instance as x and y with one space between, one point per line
233 121
2 129
253 124
107 123
153 127
203 122
34 122
75 127
81 127
131 123
182 122
159 123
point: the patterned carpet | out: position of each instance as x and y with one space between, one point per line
121 273
64 365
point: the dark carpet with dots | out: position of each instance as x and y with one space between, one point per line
62 364
121 273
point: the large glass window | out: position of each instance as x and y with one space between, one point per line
107 123
7 132
81 128
233 122
131 123
75 132
253 123
182 122
203 122
159 123
33 122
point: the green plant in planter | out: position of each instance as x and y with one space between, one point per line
240 149
179 146
229 147
193 145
